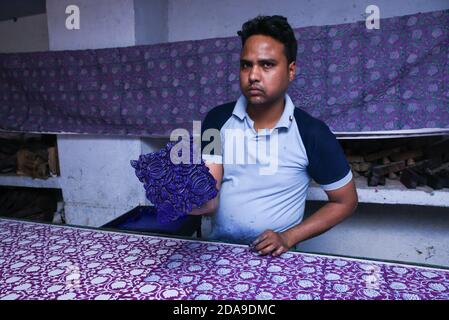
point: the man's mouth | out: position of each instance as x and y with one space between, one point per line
255 91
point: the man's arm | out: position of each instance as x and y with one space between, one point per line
342 203
209 207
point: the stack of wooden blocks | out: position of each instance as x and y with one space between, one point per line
413 161
28 155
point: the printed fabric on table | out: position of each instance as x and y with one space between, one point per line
39 261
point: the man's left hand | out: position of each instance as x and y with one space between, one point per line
270 242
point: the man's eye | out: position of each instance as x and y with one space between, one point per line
244 65
267 65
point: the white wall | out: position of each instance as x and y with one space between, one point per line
417 234
27 34
199 19
103 24
151 21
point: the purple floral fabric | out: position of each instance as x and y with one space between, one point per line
352 78
39 261
174 189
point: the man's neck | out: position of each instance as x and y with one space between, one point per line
266 116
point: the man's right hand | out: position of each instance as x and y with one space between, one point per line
206 209
211 206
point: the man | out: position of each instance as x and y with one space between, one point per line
266 211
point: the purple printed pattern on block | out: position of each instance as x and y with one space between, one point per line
175 189
39 261
352 78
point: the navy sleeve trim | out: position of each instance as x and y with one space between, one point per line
327 161
216 118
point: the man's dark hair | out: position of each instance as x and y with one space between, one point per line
276 27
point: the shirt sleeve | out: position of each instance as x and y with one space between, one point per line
211 141
327 162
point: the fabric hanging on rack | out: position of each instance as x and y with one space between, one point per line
352 78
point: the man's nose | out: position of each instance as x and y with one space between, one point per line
254 74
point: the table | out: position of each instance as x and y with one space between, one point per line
44 261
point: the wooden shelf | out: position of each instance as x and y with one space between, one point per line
23 181
394 192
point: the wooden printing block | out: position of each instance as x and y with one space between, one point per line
442 167
361 167
355 159
436 176
374 180
381 154
393 176
25 160
422 178
40 169
445 176
426 164
385 169
406 155
409 178
410 162
435 182
31 164
53 160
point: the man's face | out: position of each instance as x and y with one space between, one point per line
264 70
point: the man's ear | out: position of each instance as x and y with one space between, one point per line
292 71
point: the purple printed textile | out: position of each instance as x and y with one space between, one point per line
39 261
352 78
175 189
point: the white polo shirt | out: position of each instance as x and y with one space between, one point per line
267 173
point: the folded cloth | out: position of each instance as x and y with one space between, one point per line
174 189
